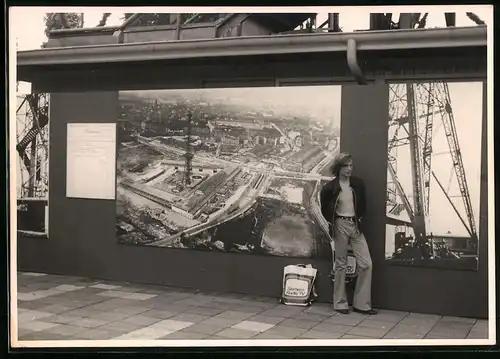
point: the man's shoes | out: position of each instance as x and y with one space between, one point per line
367 312
343 311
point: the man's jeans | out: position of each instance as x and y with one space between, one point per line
345 231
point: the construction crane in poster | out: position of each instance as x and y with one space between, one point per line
32 144
414 109
412 112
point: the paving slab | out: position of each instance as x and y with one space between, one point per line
194 301
477 335
320 308
161 314
470 321
181 335
65 330
68 287
253 310
270 336
223 322
286 332
39 336
147 333
311 316
89 323
253 326
105 286
414 328
33 315
297 323
232 314
423 316
358 337
441 337
222 306
96 334
55 308
448 333
36 326
232 333
368 332
61 318
33 274
373 323
141 320
205 311
399 334
172 325
480 330
318 334
33 305
392 317
176 308
280 312
333 328
205 329
120 327
189 317
344 319
266 319
132 310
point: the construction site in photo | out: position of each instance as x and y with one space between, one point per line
192 165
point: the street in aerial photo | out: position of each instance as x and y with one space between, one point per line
232 170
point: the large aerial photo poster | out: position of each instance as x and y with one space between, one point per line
434 174
231 170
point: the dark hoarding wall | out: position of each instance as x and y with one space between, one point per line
83 241
230 169
434 174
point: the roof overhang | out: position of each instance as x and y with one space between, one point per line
376 43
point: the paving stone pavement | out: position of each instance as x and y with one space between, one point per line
55 307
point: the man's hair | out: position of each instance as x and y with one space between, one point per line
340 160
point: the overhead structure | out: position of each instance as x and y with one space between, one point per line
383 21
32 145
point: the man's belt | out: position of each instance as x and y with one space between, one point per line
350 219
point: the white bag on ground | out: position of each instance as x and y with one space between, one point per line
298 285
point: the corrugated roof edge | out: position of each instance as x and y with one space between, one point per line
258 45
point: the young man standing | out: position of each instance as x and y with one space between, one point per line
343 206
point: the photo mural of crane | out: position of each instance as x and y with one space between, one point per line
32 144
32 137
415 112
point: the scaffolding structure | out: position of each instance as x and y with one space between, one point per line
32 137
414 112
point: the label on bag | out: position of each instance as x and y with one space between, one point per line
296 288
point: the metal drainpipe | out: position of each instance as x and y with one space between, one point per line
352 62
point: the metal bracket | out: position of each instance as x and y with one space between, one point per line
352 62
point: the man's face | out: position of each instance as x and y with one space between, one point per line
346 169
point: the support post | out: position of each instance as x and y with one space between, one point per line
333 22
450 18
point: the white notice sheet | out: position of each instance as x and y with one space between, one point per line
91 160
